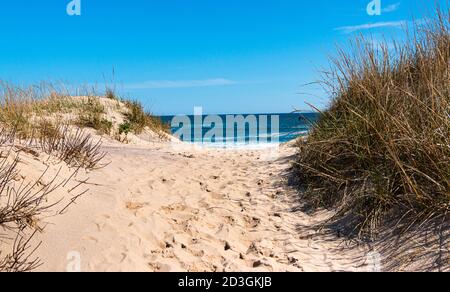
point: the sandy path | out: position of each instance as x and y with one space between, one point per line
162 209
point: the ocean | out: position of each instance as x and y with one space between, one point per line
241 130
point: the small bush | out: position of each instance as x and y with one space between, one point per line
124 128
136 119
136 116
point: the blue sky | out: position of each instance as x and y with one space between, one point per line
228 56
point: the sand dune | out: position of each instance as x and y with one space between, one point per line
169 206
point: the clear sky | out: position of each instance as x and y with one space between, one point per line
229 56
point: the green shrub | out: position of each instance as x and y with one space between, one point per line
138 119
124 128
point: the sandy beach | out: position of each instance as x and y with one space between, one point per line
235 136
157 204
156 207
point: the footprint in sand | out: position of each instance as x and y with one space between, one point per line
230 220
174 208
252 222
135 207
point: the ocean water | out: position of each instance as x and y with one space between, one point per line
240 130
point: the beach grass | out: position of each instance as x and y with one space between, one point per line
25 109
137 119
380 154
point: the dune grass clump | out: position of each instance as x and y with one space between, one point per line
381 153
13 113
73 146
110 94
30 111
36 122
137 119
91 115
